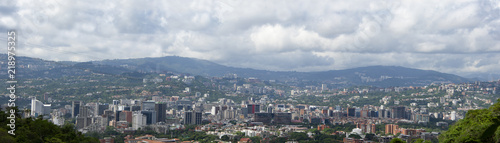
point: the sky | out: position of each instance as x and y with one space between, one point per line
452 36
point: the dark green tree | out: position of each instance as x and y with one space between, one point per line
370 137
397 140
224 138
298 136
356 136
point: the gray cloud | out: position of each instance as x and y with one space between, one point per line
451 36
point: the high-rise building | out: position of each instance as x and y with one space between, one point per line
191 117
244 111
282 118
387 114
229 114
75 108
273 118
117 115
36 107
148 105
373 128
270 108
99 108
453 115
150 116
381 113
337 107
197 118
365 113
135 108
82 122
351 112
161 112
391 129
84 111
215 110
265 118
253 108
139 120
188 116
46 109
126 116
116 102
398 112
373 113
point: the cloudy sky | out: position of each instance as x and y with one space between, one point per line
453 36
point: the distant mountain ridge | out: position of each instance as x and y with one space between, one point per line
371 75
382 76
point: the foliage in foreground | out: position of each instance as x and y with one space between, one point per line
478 126
36 130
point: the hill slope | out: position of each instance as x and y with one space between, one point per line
373 75
482 125
382 76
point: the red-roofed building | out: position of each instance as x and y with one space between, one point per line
245 140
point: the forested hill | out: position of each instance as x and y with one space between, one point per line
478 126
381 76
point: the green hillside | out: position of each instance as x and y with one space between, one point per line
477 126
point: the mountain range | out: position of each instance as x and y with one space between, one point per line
382 76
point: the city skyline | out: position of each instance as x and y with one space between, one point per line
456 37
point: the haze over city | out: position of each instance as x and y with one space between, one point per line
459 37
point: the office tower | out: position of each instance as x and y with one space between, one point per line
150 116
197 118
365 113
229 114
75 108
82 122
282 118
398 112
273 118
148 105
265 118
351 112
117 115
270 108
215 110
46 109
191 117
116 102
36 107
139 120
253 108
244 111
126 116
85 111
161 113
188 116
135 108
99 108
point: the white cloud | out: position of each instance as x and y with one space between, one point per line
448 35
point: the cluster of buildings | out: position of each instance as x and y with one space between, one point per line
163 113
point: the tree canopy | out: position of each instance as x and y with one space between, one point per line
30 130
477 126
